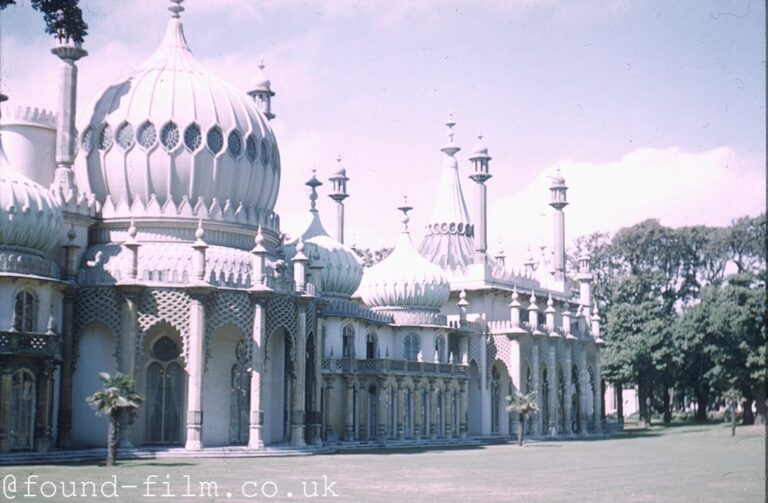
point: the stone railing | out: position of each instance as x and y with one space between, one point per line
392 367
30 344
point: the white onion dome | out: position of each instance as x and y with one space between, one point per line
174 130
261 84
405 280
30 217
342 268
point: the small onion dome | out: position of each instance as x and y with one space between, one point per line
342 268
29 215
479 150
405 280
261 84
558 179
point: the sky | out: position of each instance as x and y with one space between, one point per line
650 109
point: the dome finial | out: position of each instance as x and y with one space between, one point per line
176 8
405 208
450 148
313 183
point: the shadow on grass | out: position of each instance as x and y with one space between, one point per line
407 450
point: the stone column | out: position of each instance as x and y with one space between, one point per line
44 407
315 433
256 416
349 407
536 383
418 419
400 413
6 384
586 393
463 404
299 366
195 370
381 430
328 408
552 377
448 413
127 364
432 409
64 430
567 371
362 393
598 395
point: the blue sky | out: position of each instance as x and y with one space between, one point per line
650 109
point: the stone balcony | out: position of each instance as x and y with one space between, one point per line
30 344
380 366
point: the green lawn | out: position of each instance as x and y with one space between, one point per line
679 463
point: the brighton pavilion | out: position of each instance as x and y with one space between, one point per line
138 235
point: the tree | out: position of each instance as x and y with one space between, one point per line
370 256
524 405
116 397
63 18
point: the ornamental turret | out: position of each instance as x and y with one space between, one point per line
339 193
558 201
480 160
261 92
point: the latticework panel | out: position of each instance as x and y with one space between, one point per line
100 305
281 313
229 307
170 306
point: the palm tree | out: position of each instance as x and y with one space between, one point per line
117 396
524 405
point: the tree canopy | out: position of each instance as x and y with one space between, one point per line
63 18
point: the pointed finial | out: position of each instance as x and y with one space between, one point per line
405 208
176 8
132 230
462 299
532 300
550 303
300 245
313 183
51 328
515 296
199 232
450 149
261 65
71 233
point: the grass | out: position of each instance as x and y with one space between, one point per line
682 463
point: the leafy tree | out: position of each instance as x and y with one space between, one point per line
525 406
371 256
63 18
116 397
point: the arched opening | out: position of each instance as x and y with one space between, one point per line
95 350
348 341
408 423
411 347
475 400
311 419
560 400
373 417
23 394
495 400
25 311
545 412
240 395
371 346
440 420
440 348
278 387
165 391
528 389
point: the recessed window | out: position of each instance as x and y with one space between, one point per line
169 136
412 347
348 342
165 350
24 312
192 137
250 148
215 140
87 140
106 137
235 144
147 135
125 136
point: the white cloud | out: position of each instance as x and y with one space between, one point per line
679 188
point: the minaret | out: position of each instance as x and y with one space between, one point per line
339 194
66 136
480 160
585 280
262 93
558 201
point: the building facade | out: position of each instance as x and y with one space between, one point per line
140 237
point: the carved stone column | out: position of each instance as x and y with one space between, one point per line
586 393
362 393
400 413
349 407
381 431
316 423
567 373
299 366
255 415
463 403
44 407
598 395
129 313
536 383
448 412
433 409
328 408
418 419
195 369
6 384
552 378
64 430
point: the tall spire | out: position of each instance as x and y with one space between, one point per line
313 183
448 241
558 201
176 8
405 208
481 174
262 93
339 194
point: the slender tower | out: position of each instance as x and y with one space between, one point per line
66 136
262 92
558 201
339 194
480 160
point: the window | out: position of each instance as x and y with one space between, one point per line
440 348
371 346
348 342
412 347
24 314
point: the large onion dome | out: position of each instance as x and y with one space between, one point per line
405 280
174 130
342 268
30 217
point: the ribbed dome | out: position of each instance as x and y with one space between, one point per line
405 280
342 268
29 215
171 128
